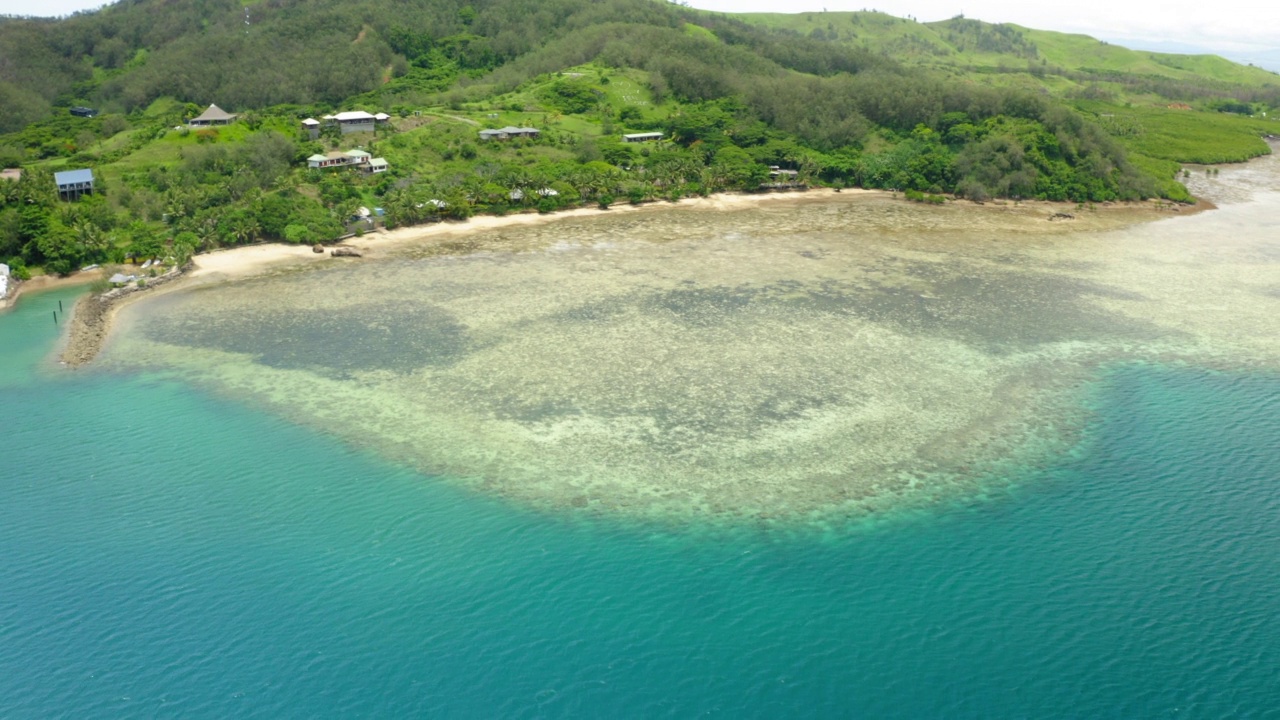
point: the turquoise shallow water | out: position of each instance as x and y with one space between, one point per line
167 554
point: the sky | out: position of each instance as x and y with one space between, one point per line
1242 30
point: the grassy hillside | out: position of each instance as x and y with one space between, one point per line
962 42
749 102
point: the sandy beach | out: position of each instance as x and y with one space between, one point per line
245 261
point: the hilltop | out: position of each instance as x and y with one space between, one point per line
957 108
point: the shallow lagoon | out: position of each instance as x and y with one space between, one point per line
799 359
168 553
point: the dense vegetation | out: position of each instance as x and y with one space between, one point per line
960 108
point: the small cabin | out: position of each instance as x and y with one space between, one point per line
311 126
82 111
642 137
74 183
214 115
375 166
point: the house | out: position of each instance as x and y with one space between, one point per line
311 126
214 115
642 137
353 121
74 183
351 158
82 111
509 132
381 118
14 174
375 166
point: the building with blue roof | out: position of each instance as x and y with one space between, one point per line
74 183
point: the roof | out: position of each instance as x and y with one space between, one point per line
644 135
311 121
73 177
214 113
378 162
11 174
358 154
317 158
382 116
352 115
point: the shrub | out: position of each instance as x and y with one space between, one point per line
604 201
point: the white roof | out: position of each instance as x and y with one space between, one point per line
351 115
358 154
311 121
378 162
382 116
317 158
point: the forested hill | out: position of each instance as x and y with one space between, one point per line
960 108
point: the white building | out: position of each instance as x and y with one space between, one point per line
354 121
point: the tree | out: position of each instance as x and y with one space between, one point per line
734 168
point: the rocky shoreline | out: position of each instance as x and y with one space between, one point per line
91 317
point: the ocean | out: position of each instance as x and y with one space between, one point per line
172 548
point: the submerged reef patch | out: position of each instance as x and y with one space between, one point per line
847 357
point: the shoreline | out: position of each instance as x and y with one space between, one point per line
93 315
248 260
42 283
92 318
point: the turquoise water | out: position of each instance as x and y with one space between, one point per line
164 553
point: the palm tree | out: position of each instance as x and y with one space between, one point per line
244 228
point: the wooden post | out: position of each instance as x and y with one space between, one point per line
55 317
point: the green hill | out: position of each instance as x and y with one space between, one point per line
744 102
967 43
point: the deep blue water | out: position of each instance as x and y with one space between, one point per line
168 554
